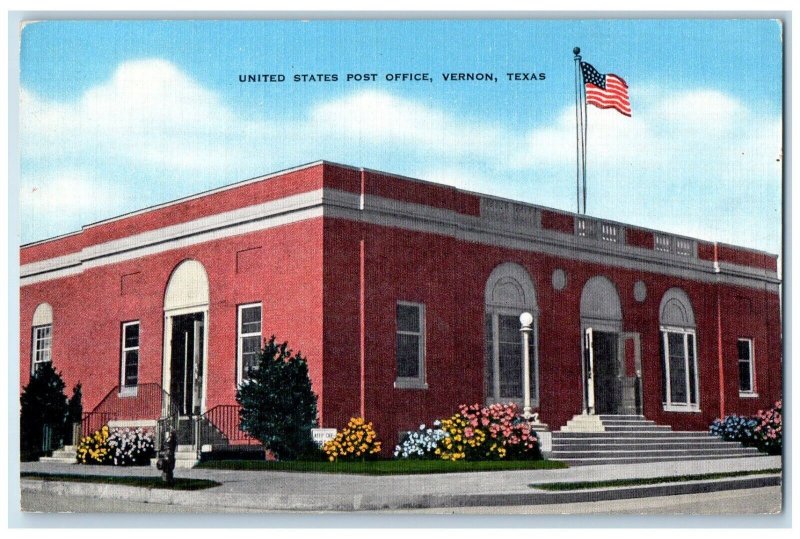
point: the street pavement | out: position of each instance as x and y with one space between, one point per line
756 501
267 490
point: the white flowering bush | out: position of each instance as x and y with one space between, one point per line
421 444
130 447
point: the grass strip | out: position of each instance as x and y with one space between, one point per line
143 482
384 467
583 485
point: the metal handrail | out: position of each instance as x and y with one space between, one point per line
145 401
222 424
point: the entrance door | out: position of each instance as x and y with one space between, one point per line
607 390
186 363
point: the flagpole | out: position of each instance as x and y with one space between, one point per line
579 132
585 117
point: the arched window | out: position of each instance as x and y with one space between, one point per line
600 305
41 336
680 381
509 292
187 287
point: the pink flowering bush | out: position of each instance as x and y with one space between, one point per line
487 433
763 431
769 431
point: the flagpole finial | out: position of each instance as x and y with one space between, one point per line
576 51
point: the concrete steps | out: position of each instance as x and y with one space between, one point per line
185 457
643 444
65 455
647 453
644 460
628 439
631 434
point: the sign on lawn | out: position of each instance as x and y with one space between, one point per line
321 436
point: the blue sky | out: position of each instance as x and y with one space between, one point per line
115 116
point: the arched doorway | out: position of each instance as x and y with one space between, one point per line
509 292
603 353
185 337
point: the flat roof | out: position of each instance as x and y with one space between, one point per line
319 162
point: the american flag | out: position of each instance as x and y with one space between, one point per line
605 91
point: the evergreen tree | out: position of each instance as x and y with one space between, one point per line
42 402
278 407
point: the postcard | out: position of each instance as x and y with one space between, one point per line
476 266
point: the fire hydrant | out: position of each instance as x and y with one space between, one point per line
166 458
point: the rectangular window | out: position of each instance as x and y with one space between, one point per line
504 359
488 354
249 345
679 361
410 350
41 345
129 366
746 370
510 355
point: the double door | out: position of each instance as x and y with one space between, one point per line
187 349
612 372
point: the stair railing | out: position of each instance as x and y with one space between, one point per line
168 422
222 425
146 401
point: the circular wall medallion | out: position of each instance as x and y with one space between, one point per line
639 291
559 279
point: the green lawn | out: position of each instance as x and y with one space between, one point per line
582 485
145 482
384 467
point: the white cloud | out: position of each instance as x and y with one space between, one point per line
690 128
681 162
64 191
61 201
374 116
149 113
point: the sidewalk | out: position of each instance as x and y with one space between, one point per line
339 492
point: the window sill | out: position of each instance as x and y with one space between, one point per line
519 402
684 409
410 383
128 391
748 395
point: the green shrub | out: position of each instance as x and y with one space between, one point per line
42 404
278 407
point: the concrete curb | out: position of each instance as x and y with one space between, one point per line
361 502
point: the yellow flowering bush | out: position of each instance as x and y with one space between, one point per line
94 449
357 440
463 442
487 433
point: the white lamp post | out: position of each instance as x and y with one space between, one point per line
526 319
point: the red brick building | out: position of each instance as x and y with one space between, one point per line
405 297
